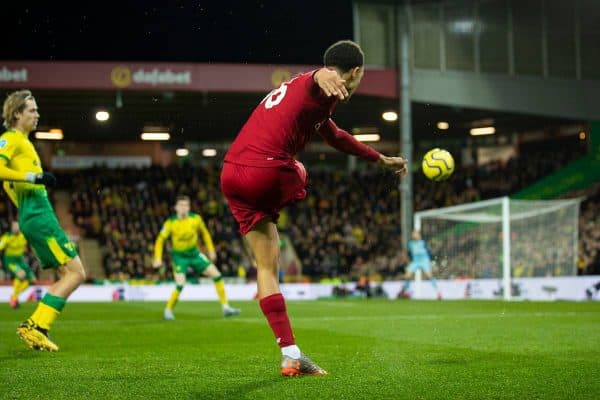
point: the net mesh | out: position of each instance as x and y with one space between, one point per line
467 241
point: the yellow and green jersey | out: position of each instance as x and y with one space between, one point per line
13 245
36 216
184 235
17 158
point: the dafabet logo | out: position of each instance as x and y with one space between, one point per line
279 76
122 77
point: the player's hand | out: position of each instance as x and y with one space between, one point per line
398 164
157 263
212 256
331 83
43 178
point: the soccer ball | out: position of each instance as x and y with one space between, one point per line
438 165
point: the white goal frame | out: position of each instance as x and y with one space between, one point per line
505 218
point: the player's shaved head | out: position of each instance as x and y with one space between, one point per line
344 55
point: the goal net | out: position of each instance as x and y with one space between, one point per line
502 238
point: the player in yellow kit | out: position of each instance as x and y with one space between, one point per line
183 230
14 244
25 183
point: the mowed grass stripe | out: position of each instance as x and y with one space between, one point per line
373 349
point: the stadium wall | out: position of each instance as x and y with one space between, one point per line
537 289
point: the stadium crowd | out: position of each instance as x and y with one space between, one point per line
348 226
125 209
589 233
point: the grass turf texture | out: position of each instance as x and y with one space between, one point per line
373 350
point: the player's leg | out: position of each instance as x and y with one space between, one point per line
26 277
211 271
54 250
180 280
254 196
18 277
20 283
34 331
72 274
433 281
14 297
29 276
264 243
407 280
408 276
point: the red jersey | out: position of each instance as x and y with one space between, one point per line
281 125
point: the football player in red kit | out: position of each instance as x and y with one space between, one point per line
261 176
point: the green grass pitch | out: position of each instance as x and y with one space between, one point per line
372 349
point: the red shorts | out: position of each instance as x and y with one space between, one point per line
254 193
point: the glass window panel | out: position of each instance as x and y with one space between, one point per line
493 39
590 39
560 28
459 28
527 36
375 34
426 35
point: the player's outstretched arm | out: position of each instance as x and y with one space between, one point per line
164 234
9 174
207 239
346 143
3 242
331 83
341 140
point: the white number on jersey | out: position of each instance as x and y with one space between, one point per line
275 96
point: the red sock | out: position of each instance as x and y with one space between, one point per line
273 307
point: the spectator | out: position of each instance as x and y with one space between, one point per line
348 223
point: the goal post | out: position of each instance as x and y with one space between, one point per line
501 239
